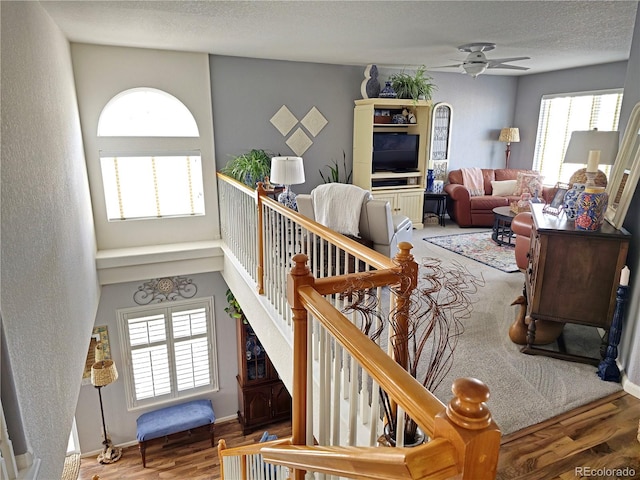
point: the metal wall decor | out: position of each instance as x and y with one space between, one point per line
165 289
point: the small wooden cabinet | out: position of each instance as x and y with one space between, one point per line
262 396
573 275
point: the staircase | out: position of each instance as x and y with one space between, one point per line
295 280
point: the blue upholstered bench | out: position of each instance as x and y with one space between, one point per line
172 420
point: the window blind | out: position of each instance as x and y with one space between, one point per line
560 115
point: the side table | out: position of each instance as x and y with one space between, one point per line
440 200
502 233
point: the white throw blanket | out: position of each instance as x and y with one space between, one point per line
338 206
472 179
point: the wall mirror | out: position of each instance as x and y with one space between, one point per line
440 140
625 173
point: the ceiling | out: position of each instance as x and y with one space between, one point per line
555 34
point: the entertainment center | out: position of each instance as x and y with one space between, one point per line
390 159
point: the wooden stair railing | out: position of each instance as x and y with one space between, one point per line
464 439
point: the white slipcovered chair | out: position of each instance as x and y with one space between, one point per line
375 223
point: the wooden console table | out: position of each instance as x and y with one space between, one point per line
572 276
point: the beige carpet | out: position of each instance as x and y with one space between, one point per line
525 389
71 468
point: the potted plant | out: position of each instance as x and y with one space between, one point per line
334 172
233 309
417 87
249 168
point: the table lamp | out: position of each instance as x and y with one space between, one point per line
104 373
287 171
593 147
509 135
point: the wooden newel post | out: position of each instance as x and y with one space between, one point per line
467 423
408 282
260 193
300 275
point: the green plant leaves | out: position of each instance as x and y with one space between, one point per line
408 86
249 168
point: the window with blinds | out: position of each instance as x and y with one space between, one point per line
562 114
146 171
170 351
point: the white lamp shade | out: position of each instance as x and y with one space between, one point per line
582 142
287 170
509 135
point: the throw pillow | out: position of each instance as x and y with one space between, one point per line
503 188
528 183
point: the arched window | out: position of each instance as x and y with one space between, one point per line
142 175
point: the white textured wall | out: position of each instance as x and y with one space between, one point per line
49 283
103 72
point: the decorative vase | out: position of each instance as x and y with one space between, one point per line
570 198
430 179
388 91
591 205
419 439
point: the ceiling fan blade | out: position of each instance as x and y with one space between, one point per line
504 65
448 66
505 60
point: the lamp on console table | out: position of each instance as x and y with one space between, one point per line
509 135
287 171
595 147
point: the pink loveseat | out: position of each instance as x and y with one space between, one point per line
477 211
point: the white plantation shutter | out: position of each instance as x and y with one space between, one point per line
170 351
562 114
191 349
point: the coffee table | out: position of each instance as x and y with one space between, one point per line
502 233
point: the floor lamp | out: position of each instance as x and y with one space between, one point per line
103 373
509 135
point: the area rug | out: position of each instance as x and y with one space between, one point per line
479 247
525 389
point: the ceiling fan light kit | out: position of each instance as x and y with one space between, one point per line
477 63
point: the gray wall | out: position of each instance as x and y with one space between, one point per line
247 92
121 424
49 282
531 88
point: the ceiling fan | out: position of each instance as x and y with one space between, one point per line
477 62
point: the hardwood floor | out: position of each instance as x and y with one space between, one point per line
601 435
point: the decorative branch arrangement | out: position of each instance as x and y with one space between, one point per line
424 325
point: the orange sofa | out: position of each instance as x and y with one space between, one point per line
477 211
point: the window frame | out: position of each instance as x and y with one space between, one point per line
145 145
543 126
167 308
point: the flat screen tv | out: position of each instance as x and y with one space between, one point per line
395 152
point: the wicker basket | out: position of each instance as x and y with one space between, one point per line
515 208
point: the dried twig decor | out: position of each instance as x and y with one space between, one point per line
424 330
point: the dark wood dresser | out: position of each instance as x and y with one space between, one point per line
572 276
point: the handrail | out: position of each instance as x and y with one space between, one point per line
463 435
433 460
417 401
